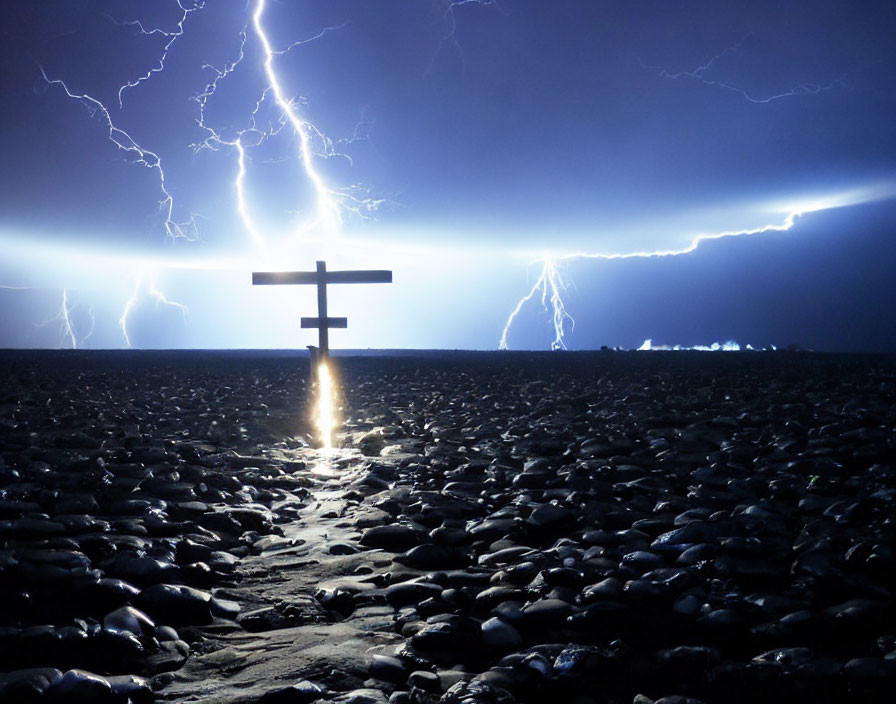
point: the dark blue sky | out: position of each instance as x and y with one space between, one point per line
470 140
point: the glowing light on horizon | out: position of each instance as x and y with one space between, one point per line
729 346
79 268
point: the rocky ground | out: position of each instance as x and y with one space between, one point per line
497 528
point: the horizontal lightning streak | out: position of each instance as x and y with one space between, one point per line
551 284
699 74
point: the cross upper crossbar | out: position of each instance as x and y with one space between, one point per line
373 276
321 277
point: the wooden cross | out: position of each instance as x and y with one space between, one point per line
321 277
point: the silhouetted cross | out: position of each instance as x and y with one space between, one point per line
321 278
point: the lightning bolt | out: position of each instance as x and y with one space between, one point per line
449 19
63 316
699 74
331 204
551 284
140 156
172 37
328 201
145 282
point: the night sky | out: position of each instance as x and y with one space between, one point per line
472 147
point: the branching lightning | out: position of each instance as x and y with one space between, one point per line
276 112
550 284
63 316
700 74
140 155
172 37
145 282
331 204
449 7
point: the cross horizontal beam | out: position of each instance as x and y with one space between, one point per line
327 323
274 278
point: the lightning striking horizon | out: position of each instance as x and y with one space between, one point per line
145 282
551 284
63 316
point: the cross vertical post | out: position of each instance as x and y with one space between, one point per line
323 331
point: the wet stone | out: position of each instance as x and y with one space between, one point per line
431 556
23 685
500 635
303 692
176 604
393 538
80 685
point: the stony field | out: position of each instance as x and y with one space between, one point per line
568 528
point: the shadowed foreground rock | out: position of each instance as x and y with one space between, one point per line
600 527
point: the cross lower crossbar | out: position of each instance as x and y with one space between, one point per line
328 322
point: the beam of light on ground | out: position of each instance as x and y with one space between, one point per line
325 414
